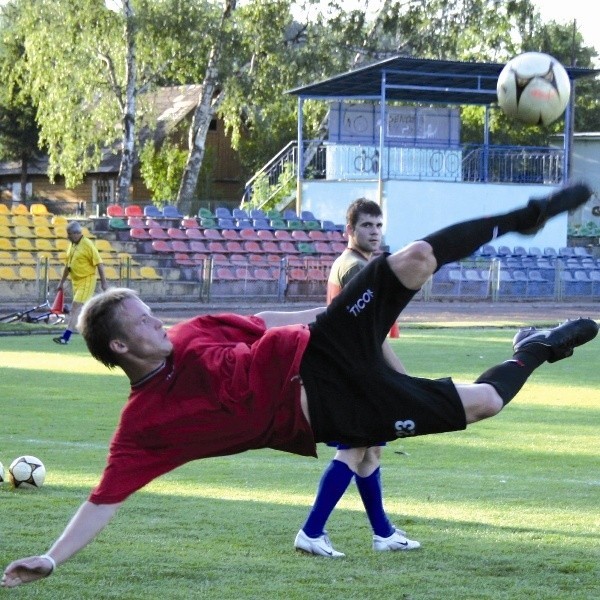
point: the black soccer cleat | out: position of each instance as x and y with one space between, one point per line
560 340
569 198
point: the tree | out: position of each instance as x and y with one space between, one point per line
19 133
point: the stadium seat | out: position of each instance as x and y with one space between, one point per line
176 234
222 212
115 210
226 223
43 245
27 273
297 274
277 224
6 258
257 213
335 236
181 246
260 224
252 247
21 231
216 247
288 248
61 244
300 236
19 209
205 213
104 246
171 212
26 257
158 233
306 248
152 211
224 273
219 259
193 233
40 221
6 232
249 235
198 246
39 209
162 246
265 235
238 259
135 222
190 223
134 210
8 273
182 259
139 233
24 244
212 234
59 221
324 248
231 235
233 247
4 210
148 272
111 273
282 235
118 224
307 215
239 213
270 247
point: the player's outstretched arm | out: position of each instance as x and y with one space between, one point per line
87 523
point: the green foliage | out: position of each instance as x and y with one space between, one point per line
161 171
268 196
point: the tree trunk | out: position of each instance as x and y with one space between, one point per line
24 176
203 114
128 110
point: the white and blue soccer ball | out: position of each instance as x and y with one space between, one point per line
533 88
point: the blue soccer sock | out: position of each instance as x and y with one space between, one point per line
334 482
67 335
371 492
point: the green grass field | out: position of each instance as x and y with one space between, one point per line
508 509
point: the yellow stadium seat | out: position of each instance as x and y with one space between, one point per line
6 231
5 219
8 274
43 244
6 244
21 231
22 220
61 244
24 244
109 259
134 274
38 209
19 209
88 233
6 258
125 256
59 221
43 231
111 273
54 274
25 258
149 273
41 221
28 273
4 210
104 246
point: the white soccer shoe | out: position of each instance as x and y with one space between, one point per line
319 545
396 541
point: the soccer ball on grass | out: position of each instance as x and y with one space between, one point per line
533 88
27 472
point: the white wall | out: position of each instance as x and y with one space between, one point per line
412 209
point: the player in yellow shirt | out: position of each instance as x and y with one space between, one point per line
83 265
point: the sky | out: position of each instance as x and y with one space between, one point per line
580 11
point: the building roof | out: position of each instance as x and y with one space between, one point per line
419 80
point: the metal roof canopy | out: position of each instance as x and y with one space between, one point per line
418 80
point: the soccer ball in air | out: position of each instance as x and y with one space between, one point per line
27 472
533 88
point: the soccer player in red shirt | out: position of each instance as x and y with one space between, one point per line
224 384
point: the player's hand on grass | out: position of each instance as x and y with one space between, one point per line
26 570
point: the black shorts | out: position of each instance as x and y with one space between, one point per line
354 397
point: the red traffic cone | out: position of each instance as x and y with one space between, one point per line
58 305
395 331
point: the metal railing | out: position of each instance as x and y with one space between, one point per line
468 163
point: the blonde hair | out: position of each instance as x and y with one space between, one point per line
100 323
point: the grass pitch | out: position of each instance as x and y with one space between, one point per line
505 510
